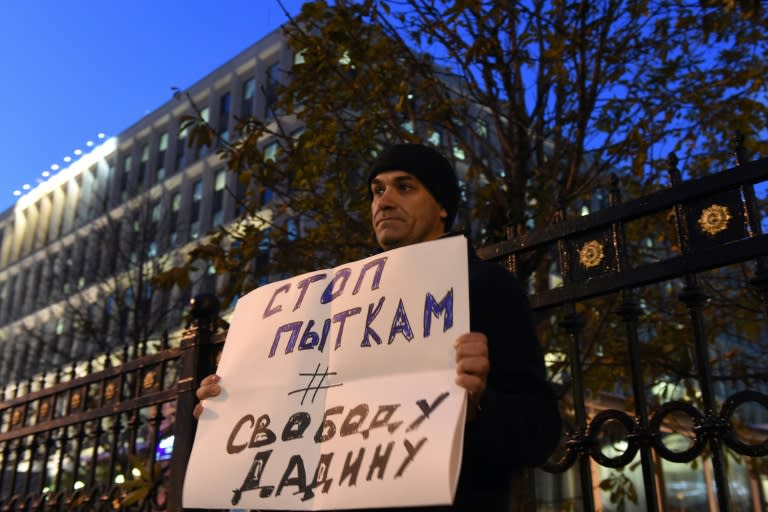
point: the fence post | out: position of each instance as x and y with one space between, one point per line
197 361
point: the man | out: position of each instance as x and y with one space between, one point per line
513 420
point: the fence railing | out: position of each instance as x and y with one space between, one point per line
716 223
120 436
115 437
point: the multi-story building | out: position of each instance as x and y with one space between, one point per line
77 251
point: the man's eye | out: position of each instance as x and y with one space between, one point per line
377 190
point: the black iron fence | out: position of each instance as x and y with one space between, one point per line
106 436
716 225
116 432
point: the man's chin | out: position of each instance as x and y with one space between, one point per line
388 242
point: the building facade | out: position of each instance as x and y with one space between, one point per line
78 251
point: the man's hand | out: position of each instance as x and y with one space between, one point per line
472 365
209 387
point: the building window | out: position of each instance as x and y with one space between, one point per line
156 212
219 185
95 196
266 196
135 238
481 128
292 228
270 90
162 149
9 293
181 144
65 270
38 290
143 164
42 230
460 127
249 89
154 228
345 59
270 152
197 197
59 329
224 108
127 164
203 149
174 219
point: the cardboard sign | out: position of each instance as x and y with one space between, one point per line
339 389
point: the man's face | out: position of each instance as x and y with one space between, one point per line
403 210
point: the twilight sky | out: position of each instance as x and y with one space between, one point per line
71 69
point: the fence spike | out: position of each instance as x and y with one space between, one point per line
739 150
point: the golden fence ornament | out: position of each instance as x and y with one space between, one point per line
714 219
591 254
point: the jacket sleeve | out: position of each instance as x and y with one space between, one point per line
518 424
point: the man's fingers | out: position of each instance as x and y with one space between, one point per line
475 365
210 379
471 344
209 387
472 365
208 391
472 383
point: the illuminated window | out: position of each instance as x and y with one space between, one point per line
162 149
481 128
345 59
203 149
249 89
218 197
270 152
174 219
181 144
194 221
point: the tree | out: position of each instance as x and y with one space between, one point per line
538 103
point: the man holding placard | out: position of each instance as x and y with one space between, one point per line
512 419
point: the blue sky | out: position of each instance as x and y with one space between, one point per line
72 69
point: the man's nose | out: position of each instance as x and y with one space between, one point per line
386 197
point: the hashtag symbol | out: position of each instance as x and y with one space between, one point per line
312 386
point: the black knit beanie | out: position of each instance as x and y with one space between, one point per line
428 166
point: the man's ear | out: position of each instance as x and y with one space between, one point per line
443 213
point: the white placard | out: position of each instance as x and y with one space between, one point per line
339 389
